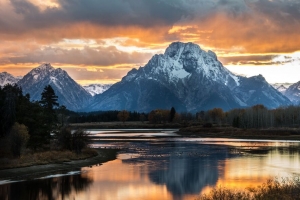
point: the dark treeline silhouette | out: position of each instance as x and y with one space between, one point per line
38 117
257 116
33 124
104 116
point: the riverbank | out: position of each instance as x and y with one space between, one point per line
272 189
23 173
238 133
126 125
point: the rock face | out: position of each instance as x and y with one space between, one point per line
94 89
70 93
6 78
293 93
190 79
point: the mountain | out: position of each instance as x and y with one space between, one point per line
281 87
6 78
94 89
190 79
293 93
70 94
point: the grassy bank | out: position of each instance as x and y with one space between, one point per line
54 162
271 190
231 132
47 157
126 125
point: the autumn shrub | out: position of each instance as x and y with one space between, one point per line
18 138
287 189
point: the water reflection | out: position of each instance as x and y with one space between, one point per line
184 168
65 187
167 168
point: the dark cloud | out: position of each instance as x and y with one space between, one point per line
254 59
88 56
142 13
258 60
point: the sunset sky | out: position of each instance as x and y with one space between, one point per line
99 41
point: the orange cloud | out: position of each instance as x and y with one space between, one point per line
128 33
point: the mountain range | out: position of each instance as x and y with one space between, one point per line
190 79
185 77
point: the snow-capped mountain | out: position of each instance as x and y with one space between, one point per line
281 87
94 89
70 93
190 79
6 78
293 93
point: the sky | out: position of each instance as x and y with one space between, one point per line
99 41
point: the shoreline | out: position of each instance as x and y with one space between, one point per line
126 125
237 133
105 155
25 173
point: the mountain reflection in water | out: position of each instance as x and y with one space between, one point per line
167 168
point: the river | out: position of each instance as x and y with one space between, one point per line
158 164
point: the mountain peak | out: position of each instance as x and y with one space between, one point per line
46 66
69 93
7 78
188 78
175 49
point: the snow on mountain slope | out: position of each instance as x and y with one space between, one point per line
281 87
69 93
293 93
191 79
94 89
6 78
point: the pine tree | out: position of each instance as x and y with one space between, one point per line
172 114
49 102
49 99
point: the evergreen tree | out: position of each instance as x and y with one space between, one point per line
9 96
172 114
49 102
49 99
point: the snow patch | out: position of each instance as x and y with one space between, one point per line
236 79
94 89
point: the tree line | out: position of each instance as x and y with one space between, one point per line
257 116
104 116
34 124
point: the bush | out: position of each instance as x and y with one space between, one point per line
64 138
18 137
207 125
272 189
75 141
80 140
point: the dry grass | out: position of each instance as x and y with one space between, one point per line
47 157
121 125
231 132
272 190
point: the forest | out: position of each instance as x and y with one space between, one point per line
37 125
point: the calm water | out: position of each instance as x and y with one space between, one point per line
159 165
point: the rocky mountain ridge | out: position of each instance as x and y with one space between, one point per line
190 79
70 93
185 77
